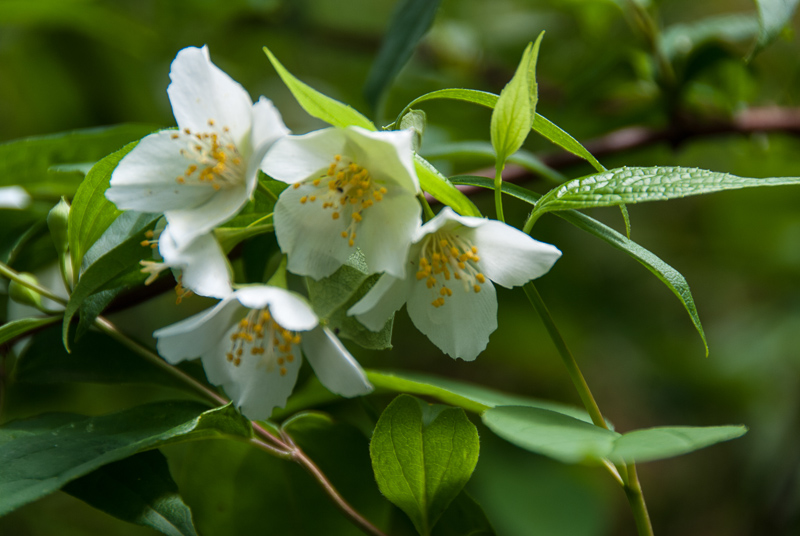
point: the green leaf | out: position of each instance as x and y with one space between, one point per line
773 16
91 213
139 490
94 358
628 185
668 441
28 161
422 464
410 22
471 397
318 105
119 261
417 121
442 189
541 124
40 455
464 517
512 118
17 328
663 271
682 39
572 441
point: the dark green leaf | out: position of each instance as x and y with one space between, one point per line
410 21
40 455
139 490
28 161
663 271
628 185
541 124
91 213
773 16
119 261
422 466
17 328
464 517
318 105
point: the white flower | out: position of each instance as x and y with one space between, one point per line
14 197
199 267
200 175
448 290
250 345
351 188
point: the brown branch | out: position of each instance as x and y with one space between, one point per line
768 119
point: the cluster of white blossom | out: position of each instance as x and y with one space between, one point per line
350 189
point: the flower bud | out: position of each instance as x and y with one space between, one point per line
416 121
57 223
22 294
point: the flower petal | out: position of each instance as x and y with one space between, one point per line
388 155
290 310
14 197
204 267
461 327
146 178
201 92
189 223
510 257
381 301
295 158
385 234
197 334
268 124
338 371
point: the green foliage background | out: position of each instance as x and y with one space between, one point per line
67 64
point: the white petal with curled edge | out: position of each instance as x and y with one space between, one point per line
387 155
338 371
381 301
309 236
384 236
268 124
187 224
204 267
290 310
146 178
461 327
14 197
195 335
201 92
296 158
510 257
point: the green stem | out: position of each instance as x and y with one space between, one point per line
13 275
426 207
531 220
625 475
498 191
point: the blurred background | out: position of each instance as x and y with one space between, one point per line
68 64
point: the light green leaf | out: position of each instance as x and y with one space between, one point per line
28 161
410 21
668 441
512 118
552 434
442 189
572 441
119 262
541 124
139 490
471 397
668 275
40 455
17 328
773 16
423 457
318 105
628 185
91 213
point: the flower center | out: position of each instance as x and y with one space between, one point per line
214 158
258 334
347 190
444 256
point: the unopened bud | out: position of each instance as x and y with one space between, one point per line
416 121
57 223
22 294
